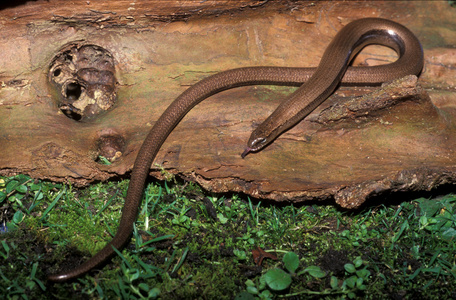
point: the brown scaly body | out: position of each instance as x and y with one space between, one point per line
316 85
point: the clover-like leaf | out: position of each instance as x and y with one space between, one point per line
277 279
291 261
350 268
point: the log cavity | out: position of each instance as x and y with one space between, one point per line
83 76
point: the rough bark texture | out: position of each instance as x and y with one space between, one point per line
400 138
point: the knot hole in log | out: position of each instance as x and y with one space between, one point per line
83 76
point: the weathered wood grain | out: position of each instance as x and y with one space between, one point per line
162 49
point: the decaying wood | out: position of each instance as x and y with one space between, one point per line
400 137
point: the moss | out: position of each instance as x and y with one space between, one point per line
408 249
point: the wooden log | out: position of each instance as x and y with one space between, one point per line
161 48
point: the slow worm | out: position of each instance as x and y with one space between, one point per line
316 84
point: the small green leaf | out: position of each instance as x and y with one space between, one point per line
11 185
222 218
424 221
21 189
2 196
449 234
39 195
154 293
345 233
334 282
11 226
351 281
134 274
262 284
252 290
103 160
249 283
277 279
315 272
18 217
266 294
30 285
350 268
358 262
291 261
143 286
241 255
364 273
35 187
429 207
359 282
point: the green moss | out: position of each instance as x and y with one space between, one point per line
203 249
